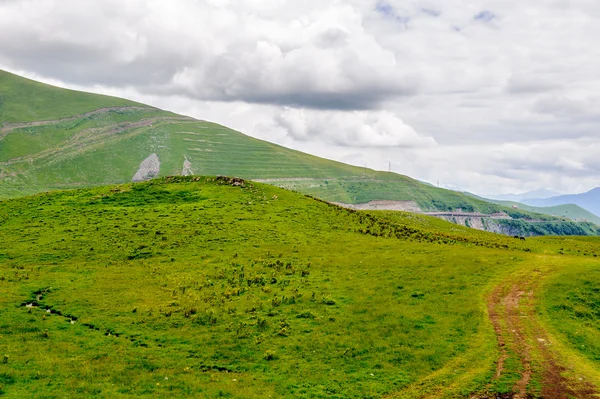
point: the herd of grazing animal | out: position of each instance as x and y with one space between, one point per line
519 238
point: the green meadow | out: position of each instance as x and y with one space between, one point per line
216 287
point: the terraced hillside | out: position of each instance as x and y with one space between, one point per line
218 287
52 138
65 139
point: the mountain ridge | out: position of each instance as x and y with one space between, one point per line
571 211
519 197
53 138
589 200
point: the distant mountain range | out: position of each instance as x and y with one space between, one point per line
537 194
568 210
589 201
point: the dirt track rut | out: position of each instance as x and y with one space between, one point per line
520 335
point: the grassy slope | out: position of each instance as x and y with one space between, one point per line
571 306
202 288
36 158
24 100
108 147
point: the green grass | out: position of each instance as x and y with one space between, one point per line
187 287
24 100
572 304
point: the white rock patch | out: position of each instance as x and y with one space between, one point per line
187 168
149 168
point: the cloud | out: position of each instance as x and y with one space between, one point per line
218 51
351 129
485 16
570 164
575 110
560 165
520 83
480 94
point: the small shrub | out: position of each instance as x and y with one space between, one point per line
328 300
306 315
262 324
270 355
189 311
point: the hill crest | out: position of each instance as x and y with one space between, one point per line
65 139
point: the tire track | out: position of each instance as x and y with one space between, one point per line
512 313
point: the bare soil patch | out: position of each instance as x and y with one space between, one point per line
519 333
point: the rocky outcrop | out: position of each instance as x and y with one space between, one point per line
149 168
405 206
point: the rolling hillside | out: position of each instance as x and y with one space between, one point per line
52 138
217 287
589 201
571 211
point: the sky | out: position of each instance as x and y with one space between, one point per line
485 96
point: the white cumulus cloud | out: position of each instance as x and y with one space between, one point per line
351 129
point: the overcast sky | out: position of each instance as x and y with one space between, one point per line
486 96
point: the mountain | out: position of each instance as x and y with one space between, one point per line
571 211
52 138
523 196
589 201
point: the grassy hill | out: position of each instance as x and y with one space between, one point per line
52 138
571 211
67 139
24 100
588 201
214 287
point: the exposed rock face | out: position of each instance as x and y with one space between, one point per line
149 168
405 206
234 181
486 223
187 168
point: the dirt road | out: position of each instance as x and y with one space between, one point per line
525 347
